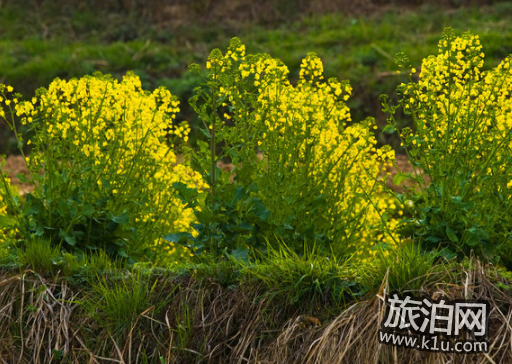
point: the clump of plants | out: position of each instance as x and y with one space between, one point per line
7 222
102 160
461 141
303 171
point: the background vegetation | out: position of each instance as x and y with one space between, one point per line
41 40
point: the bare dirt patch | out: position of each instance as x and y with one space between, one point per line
14 165
402 165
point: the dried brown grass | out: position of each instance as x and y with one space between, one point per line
41 317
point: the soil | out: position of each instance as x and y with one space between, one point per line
15 165
401 165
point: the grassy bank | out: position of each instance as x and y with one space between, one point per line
227 313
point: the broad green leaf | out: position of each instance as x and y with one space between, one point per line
70 240
389 129
121 219
6 221
178 237
400 177
22 177
241 253
451 235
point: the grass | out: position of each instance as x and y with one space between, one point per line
117 300
8 257
39 255
88 266
404 268
312 278
141 316
281 308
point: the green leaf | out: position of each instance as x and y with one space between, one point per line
33 205
241 253
121 219
242 228
39 230
400 177
88 210
451 235
122 253
503 286
433 239
71 240
446 254
473 240
185 194
57 354
178 237
6 221
22 178
239 194
456 199
259 209
389 129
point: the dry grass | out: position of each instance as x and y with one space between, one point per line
204 322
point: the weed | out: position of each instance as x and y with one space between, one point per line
40 255
317 167
117 300
403 268
311 278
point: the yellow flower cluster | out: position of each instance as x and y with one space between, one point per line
3 212
118 134
3 206
310 123
7 233
462 139
460 109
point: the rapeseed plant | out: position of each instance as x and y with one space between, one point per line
462 140
318 175
102 165
4 231
8 194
